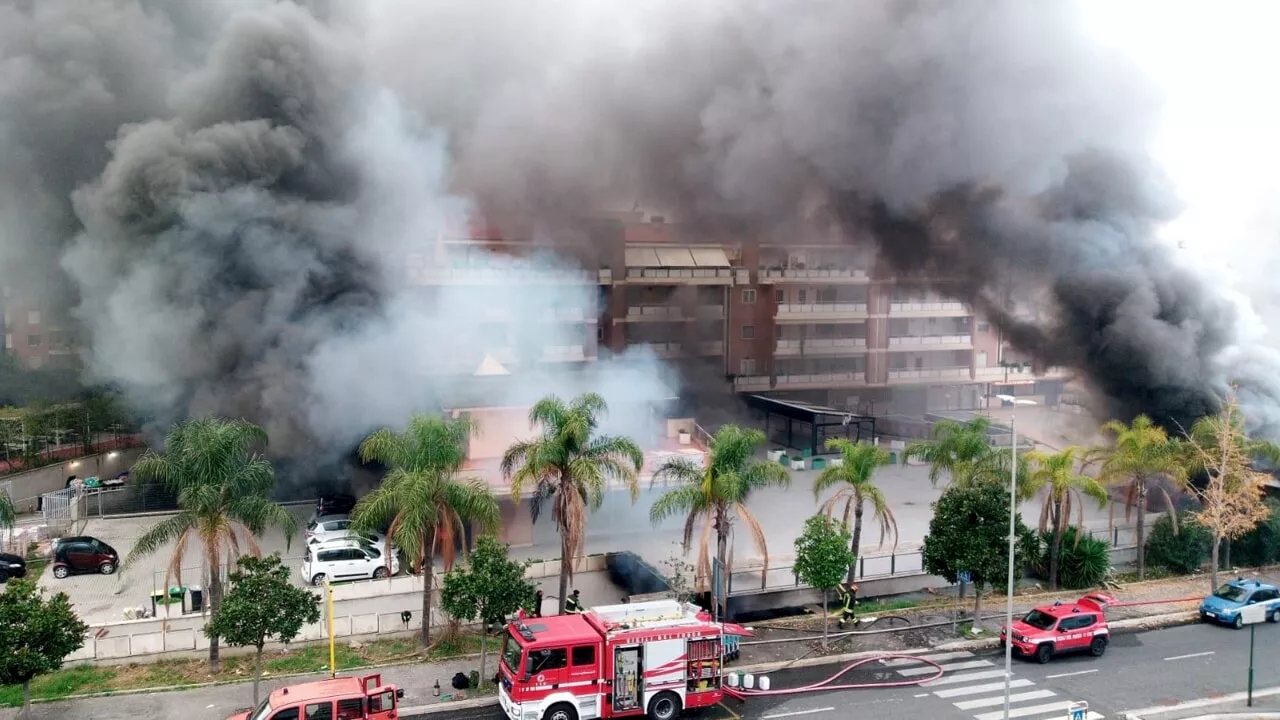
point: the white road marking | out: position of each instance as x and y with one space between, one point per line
1053 707
922 695
999 699
975 689
1070 674
965 677
929 669
798 712
1202 702
1184 657
939 657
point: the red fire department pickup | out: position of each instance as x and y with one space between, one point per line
649 658
344 698
1063 628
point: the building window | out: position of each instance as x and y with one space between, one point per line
33 317
748 332
33 341
779 296
747 367
749 297
802 296
984 327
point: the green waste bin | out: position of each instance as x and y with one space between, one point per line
819 463
806 453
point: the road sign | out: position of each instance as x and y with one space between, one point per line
1078 711
964 576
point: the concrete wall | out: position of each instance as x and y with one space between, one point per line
30 485
496 429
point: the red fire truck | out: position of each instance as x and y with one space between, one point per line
655 658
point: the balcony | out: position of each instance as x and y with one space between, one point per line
820 346
419 273
821 312
564 353
1017 374
930 342
929 309
818 381
842 276
908 376
711 347
655 313
709 312
678 266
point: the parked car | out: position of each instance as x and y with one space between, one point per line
83 554
12 566
346 559
338 527
1225 604
334 504
1063 628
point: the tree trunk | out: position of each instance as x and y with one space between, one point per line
1142 528
484 637
977 604
428 586
257 674
826 618
1213 563
26 700
215 601
1226 551
722 554
855 544
1055 549
565 567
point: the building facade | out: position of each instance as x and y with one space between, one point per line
37 336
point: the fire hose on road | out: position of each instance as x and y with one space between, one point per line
827 685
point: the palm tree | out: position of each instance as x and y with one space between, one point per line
422 502
1065 489
222 483
570 465
965 453
853 477
716 492
1142 452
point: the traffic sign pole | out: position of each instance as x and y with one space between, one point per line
1252 629
1078 711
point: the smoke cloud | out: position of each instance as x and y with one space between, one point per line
236 191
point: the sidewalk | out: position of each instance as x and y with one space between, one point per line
219 702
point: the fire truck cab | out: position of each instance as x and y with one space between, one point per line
344 698
651 658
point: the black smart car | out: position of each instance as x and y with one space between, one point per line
11 566
83 554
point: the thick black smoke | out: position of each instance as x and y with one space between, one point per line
232 188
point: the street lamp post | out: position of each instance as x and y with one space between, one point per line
1013 531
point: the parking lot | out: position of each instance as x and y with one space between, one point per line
101 598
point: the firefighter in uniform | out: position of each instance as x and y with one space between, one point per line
848 599
573 604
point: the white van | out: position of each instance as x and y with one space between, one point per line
346 559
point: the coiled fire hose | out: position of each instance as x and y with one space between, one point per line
740 693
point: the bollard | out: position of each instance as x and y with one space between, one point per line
764 682
748 681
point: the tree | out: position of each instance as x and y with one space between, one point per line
569 465
969 532
1232 498
716 494
222 483
1064 492
261 604
853 478
822 559
36 635
964 452
1142 452
422 502
489 588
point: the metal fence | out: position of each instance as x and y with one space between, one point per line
129 499
869 567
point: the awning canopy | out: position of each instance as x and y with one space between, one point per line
676 257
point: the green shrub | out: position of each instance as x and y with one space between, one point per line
1183 552
1261 546
1083 564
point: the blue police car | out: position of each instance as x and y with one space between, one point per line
1225 604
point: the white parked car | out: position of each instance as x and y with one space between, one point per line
346 559
338 527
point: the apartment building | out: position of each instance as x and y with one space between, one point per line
35 336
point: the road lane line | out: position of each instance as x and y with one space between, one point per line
939 657
975 689
1070 674
1184 657
929 669
1053 707
999 699
1202 702
920 695
797 712
965 677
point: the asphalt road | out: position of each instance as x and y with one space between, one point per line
1139 671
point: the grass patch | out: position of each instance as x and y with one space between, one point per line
85 679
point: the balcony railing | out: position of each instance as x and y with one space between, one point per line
924 342
564 353
711 347
717 275
925 308
666 350
710 312
815 380
655 312
830 275
517 275
820 346
928 374
823 309
1017 373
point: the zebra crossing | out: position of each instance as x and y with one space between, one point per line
973 684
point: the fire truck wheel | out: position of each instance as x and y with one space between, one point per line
561 711
664 706
1044 653
1098 646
